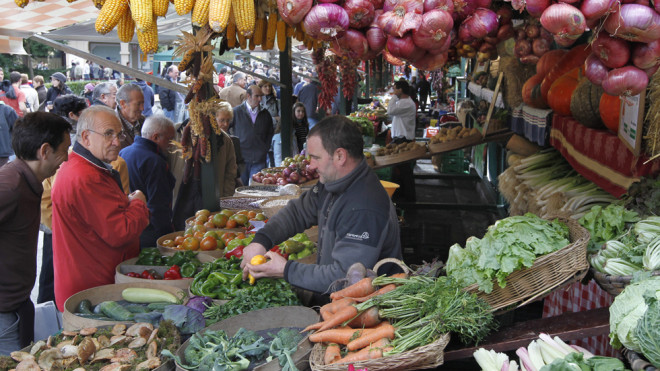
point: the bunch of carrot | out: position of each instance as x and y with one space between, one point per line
362 335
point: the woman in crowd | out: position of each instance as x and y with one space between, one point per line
269 101
59 88
228 157
300 124
70 107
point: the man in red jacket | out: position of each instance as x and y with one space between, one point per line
95 225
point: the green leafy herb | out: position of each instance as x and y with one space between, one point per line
284 344
606 224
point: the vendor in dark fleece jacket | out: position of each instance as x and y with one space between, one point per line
357 221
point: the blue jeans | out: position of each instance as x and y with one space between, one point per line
251 168
9 337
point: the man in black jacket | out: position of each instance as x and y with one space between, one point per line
169 99
253 125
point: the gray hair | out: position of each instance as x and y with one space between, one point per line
238 76
102 88
155 124
224 107
124 92
88 116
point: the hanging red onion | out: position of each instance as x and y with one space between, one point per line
464 33
529 59
404 17
612 51
522 48
532 31
568 1
482 22
564 21
326 22
433 30
518 5
634 22
389 5
378 4
651 71
628 80
376 38
335 48
431 61
540 46
546 35
646 56
483 3
371 54
595 70
505 32
328 1
404 48
392 59
293 11
463 8
536 7
504 15
491 39
446 5
415 6
520 34
593 9
354 44
360 13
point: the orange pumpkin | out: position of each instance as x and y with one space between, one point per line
549 60
572 59
610 110
531 92
561 91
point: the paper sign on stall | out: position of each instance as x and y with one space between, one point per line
631 122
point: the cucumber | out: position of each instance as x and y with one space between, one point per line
84 307
94 316
115 311
137 308
142 295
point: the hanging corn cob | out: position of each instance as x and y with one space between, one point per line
281 35
21 3
200 14
183 6
271 29
109 15
258 37
160 7
244 14
98 3
148 39
231 34
219 11
126 27
143 14
242 41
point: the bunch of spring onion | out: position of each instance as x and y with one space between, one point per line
547 185
542 352
422 309
637 250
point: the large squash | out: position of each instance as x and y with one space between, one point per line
610 110
574 58
549 60
585 102
531 92
561 91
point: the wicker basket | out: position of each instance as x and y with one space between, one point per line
190 222
264 319
637 361
130 266
455 144
613 285
548 273
427 356
274 204
170 236
406 156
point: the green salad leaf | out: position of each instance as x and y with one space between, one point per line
648 329
606 224
626 311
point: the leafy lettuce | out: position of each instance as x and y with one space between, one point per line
510 244
626 311
606 224
648 329
575 362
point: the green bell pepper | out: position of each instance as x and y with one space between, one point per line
189 269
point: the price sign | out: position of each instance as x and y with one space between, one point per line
631 121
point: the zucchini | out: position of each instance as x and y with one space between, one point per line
142 295
85 307
115 311
136 308
158 306
94 316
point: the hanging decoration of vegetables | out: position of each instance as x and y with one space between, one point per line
565 22
406 15
434 30
348 70
326 22
360 13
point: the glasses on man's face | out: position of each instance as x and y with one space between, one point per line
110 135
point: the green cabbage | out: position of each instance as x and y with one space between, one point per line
627 309
648 330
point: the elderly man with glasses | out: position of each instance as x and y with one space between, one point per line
95 225
253 125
